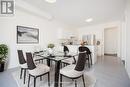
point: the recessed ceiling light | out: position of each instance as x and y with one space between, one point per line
50 1
89 20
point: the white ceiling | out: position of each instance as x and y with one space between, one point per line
75 12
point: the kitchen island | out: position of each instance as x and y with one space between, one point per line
93 49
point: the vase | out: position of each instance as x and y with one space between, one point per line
50 50
2 66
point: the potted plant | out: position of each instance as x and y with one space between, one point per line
3 56
50 48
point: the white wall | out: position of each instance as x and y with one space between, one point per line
49 32
128 37
66 33
98 30
111 40
123 41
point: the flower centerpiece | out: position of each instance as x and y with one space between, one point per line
50 48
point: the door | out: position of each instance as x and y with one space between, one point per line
111 41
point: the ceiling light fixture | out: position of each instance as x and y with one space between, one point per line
89 20
50 1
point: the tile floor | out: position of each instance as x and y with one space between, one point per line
109 72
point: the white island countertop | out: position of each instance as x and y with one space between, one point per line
93 49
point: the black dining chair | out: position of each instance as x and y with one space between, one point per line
66 50
22 63
38 58
88 57
71 59
36 70
75 71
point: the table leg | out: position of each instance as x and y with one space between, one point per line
74 59
57 71
48 62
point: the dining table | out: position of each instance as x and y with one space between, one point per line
57 57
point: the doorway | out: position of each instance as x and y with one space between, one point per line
111 41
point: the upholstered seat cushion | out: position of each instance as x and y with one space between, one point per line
24 65
70 71
39 70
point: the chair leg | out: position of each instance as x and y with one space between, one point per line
40 78
48 79
83 80
29 80
60 80
88 63
75 83
91 59
51 63
21 73
24 75
34 81
42 61
74 59
63 65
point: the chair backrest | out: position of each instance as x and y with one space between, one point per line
81 61
66 50
21 57
83 48
30 61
